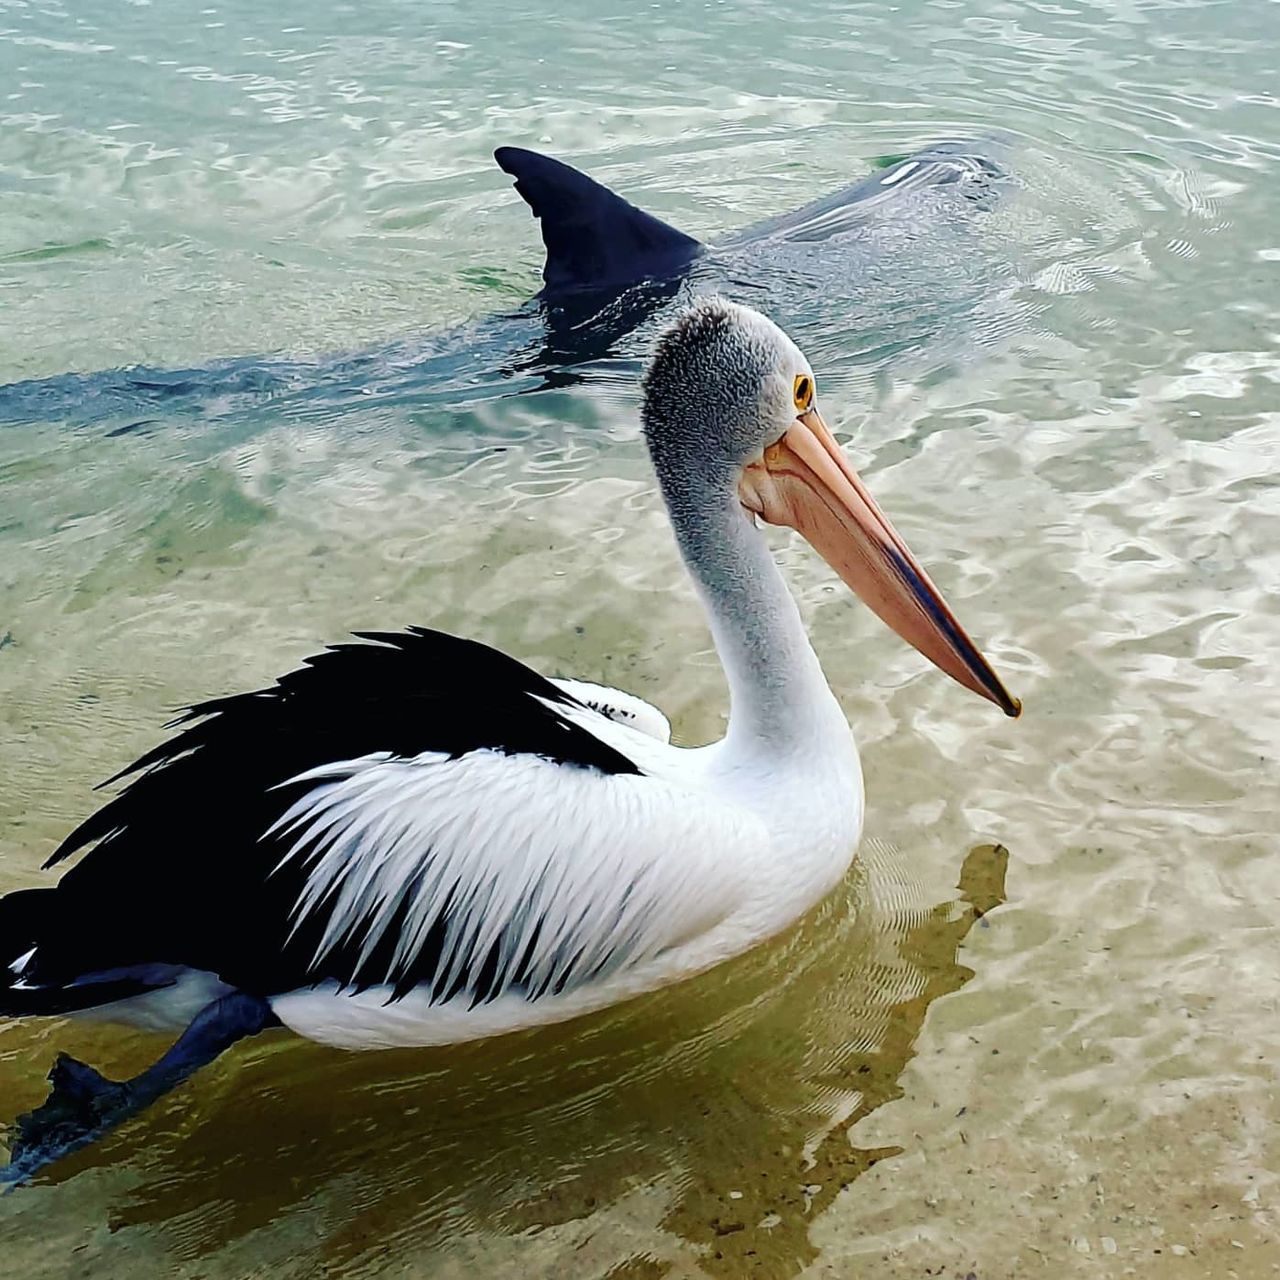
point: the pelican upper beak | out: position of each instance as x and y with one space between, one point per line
805 482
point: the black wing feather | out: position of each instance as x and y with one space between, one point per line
182 872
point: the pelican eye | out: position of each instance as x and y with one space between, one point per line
802 391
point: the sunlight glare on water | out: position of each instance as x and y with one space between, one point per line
1035 1030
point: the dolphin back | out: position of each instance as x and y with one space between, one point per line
969 171
595 239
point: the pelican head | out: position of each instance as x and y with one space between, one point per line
731 417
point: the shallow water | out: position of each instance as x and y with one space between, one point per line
1035 1031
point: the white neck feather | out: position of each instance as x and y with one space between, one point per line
780 704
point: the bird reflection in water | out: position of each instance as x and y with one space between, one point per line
717 1111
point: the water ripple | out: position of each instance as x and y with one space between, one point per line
1072 417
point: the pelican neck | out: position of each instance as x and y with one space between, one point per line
779 699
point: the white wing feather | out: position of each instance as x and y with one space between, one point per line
619 706
572 874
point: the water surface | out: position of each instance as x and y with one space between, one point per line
1034 1032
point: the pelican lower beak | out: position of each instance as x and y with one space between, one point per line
805 482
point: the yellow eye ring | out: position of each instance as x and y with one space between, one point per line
802 391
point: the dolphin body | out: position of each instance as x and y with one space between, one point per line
888 259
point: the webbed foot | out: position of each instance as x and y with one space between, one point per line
82 1105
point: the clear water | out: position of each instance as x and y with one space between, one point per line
1035 1032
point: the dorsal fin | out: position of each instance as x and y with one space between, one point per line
594 238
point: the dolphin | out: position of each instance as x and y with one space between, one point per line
891 257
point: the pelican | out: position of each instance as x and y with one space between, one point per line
414 839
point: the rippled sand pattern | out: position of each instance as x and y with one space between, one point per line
1035 1032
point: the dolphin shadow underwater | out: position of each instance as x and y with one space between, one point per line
888 260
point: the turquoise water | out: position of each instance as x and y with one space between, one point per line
1080 1081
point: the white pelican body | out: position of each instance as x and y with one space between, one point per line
420 841
730 845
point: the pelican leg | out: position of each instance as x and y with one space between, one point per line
83 1104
